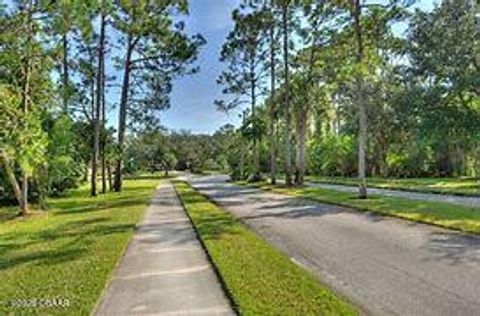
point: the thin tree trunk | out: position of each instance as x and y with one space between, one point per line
109 171
11 177
242 151
256 162
101 85
104 119
96 129
92 96
242 164
65 93
362 113
123 116
103 142
272 130
25 101
98 105
301 147
288 118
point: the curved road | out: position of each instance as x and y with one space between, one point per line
384 265
471 201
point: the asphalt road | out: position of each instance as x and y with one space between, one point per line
471 201
384 265
165 270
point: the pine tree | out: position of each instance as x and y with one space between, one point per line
244 54
156 51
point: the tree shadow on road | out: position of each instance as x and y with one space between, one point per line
454 248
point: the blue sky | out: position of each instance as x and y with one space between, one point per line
193 96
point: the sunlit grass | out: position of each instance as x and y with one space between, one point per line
457 186
447 215
68 252
261 280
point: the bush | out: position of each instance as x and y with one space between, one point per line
334 155
412 161
64 171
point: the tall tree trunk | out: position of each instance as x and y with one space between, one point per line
272 130
11 177
98 105
242 163
104 117
101 64
242 151
362 113
26 100
89 163
103 142
301 146
123 115
256 162
65 92
288 114
109 172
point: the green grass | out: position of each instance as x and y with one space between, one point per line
151 175
70 251
8 212
462 218
261 280
455 186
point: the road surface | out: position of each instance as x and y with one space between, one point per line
387 266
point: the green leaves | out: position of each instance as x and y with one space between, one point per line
243 53
21 135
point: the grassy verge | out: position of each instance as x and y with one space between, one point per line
69 252
454 186
260 279
462 218
151 175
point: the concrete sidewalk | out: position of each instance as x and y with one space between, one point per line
164 270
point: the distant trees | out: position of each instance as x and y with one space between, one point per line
162 150
345 82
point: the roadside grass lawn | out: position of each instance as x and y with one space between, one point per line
457 217
152 175
68 252
260 279
455 186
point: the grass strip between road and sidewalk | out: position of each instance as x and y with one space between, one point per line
451 216
259 279
452 186
58 262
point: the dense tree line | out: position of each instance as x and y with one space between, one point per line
156 150
336 88
54 57
360 95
